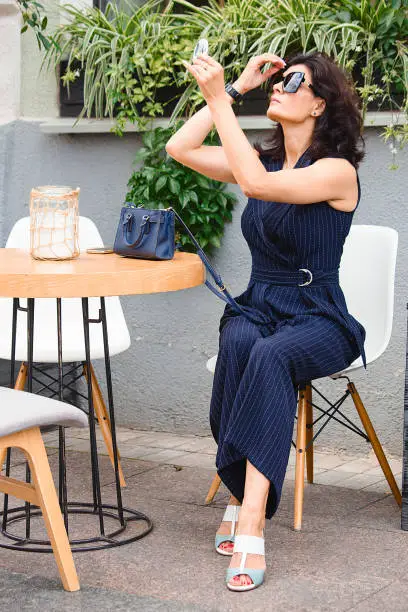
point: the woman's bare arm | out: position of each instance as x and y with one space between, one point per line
186 146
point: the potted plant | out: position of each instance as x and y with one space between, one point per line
381 60
204 204
122 57
241 29
33 17
131 61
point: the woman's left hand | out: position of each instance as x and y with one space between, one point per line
209 75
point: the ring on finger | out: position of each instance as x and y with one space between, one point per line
199 64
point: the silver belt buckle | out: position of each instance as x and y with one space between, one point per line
308 281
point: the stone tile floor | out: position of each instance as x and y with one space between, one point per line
195 451
351 554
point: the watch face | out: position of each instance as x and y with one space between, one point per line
201 47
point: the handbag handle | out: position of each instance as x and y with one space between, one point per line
144 229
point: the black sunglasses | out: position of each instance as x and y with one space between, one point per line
292 82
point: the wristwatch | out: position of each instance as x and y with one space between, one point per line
233 92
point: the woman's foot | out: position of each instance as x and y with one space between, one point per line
225 529
248 524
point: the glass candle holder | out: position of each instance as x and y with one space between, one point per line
54 222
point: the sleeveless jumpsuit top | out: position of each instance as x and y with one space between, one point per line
288 237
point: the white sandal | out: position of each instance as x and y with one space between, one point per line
247 544
231 514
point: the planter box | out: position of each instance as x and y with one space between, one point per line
71 103
397 97
255 102
172 93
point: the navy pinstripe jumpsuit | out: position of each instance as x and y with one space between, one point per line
309 334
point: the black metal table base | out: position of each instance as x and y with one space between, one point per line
97 508
84 544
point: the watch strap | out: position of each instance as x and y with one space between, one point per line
233 92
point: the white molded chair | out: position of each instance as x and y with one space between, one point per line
45 321
45 325
367 275
20 421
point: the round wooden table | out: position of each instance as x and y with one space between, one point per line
95 275
90 275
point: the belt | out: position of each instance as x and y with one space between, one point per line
301 277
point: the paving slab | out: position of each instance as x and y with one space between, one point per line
382 514
349 552
392 597
20 593
360 481
177 562
326 501
188 484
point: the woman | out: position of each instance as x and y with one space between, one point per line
303 189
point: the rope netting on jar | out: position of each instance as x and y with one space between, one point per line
54 222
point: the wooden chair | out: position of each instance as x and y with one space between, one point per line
367 274
21 418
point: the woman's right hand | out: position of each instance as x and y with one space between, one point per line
252 76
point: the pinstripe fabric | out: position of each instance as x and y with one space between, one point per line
254 396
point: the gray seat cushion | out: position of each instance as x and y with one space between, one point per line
20 410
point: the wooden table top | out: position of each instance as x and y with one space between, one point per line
95 275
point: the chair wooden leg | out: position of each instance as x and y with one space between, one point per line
19 385
104 422
309 434
215 485
300 458
42 493
375 442
21 377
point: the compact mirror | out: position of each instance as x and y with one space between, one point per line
201 47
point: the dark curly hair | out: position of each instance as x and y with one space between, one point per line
338 130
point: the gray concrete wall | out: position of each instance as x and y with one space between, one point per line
10 24
39 93
161 382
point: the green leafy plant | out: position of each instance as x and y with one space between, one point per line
380 65
34 18
129 56
126 56
295 26
231 29
204 204
368 38
241 29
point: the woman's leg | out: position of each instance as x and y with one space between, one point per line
261 419
261 425
251 519
237 337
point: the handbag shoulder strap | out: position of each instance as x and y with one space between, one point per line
210 267
221 291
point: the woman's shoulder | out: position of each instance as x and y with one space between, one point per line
338 155
335 155
346 166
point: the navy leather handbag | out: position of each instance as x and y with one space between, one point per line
150 234
145 233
